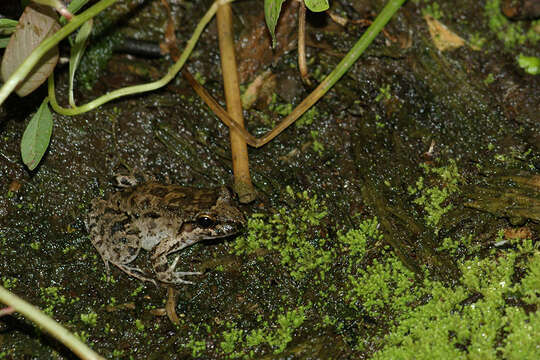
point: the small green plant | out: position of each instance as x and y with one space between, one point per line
138 290
317 146
52 298
277 335
83 335
89 319
9 283
308 117
433 10
139 325
490 78
531 64
384 93
477 41
280 108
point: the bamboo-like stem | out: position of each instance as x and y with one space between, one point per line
242 179
375 28
302 64
58 331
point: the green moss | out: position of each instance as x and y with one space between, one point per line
531 64
477 319
238 343
279 108
511 33
231 338
308 117
351 276
477 41
384 93
290 232
317 146
197 347
434 198
384 288
51 297
95 59
138 290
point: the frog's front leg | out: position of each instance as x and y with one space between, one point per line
165 272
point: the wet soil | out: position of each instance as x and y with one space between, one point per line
439 107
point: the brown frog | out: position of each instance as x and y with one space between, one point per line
162 219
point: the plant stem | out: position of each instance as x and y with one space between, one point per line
242 179
367 38
27 66
302 64
130 90
58 331
387 12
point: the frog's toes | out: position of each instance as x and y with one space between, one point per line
176 277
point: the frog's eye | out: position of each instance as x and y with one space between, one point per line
205 221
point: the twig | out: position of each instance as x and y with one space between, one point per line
58 331
170 307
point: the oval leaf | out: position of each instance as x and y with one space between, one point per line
37 135
317 5
37 23
272 8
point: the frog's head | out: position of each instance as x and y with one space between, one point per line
217 218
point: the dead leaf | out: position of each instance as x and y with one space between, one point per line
37 23
443 38
518 233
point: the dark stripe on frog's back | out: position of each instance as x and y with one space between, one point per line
155 195
188 197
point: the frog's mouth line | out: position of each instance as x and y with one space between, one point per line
222 236
223 232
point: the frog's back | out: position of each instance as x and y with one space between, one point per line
164 198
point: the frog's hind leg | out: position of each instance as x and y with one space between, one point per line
165 272
123 244
135 272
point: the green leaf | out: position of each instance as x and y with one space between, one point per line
37 135
530 64
75 5
7 26
272 8
4 42
77 51
317 5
